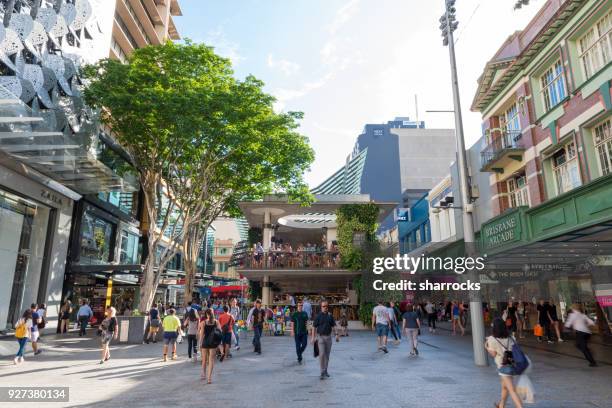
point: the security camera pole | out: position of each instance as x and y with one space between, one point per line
448 24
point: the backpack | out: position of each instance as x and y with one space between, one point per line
214 338
515 358
21 330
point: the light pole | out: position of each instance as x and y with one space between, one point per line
448 24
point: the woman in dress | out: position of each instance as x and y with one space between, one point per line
109 331
65 316
208 323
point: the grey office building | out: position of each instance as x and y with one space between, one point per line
400 161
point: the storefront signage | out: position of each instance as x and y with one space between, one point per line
503 231
605 301
54 198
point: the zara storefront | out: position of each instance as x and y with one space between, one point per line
35 218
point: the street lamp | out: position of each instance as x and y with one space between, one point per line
448 25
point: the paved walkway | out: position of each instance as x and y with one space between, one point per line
442 376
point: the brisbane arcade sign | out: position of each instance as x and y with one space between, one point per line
502 231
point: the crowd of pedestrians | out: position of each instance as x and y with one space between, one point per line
211 330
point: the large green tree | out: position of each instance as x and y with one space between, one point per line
201 141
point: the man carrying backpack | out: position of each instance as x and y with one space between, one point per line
226 320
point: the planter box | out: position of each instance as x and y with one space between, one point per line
132 329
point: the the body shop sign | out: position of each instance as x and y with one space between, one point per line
502 231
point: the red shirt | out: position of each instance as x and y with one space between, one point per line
228 319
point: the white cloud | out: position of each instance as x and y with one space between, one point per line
284 95
285 66
343 16
224 46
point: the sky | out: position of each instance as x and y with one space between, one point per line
345 63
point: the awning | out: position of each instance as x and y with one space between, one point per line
74 157
231 288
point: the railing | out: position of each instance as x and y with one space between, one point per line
303 259
507 140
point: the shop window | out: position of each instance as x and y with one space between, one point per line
553 86
602 134
518 191
96 237
126 202
129 248
596 46
565 168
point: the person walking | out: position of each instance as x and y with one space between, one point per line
511 318
381 320
41 310
83 315
456 318
192 325
209 344
35 333
299 331
544 320
226 321
497 345
109 331
580 322
393 323
323 325
235 312
554 319
411 324
23 332
65 311
154 323
520 314
307 306
172 328
432 316
256 319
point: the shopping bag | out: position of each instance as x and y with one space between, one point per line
316 348
538 331
525 390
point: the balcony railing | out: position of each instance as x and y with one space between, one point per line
303 259
501 147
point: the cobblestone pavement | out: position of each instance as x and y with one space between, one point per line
443 375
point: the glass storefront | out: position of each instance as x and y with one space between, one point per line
23 233
130 248
96 240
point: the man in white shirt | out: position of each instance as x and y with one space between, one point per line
580 323
381 320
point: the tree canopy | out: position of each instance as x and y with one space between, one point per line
197 135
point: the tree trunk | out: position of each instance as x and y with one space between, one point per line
191 251
148 287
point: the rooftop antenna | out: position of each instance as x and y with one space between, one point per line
416 107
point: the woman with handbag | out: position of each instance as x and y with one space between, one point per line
211 336
499 346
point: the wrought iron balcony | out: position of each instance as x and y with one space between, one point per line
501 151
291 260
